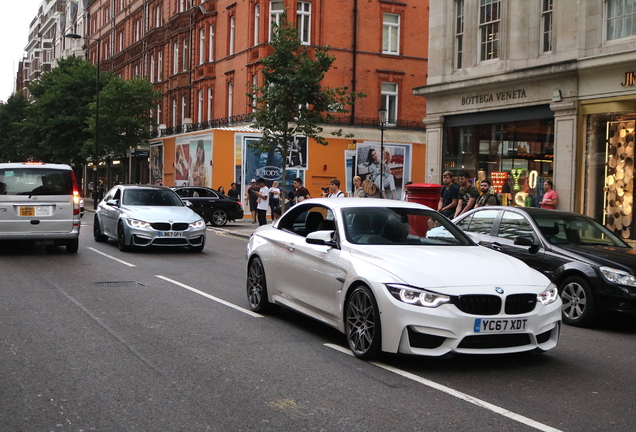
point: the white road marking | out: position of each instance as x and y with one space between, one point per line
112 257
211 297
480 403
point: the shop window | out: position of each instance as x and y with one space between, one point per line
391 34
489 21
609 167
621 19
459 33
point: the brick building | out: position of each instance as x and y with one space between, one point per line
204 55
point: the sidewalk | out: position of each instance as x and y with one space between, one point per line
241 228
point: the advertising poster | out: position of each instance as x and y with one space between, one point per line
268 166
193 156
297 157
156 163
394 165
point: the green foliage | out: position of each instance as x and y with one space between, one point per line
12 129
291 100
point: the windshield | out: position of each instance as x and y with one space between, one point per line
151 197
403 226
576 230
35 181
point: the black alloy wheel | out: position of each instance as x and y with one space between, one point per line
121 238
362 321
257 287
219 217
579 304
97 231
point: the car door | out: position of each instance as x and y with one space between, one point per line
511 225
309 271
481 223
110 213
203 201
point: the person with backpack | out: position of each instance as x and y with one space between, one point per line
487 198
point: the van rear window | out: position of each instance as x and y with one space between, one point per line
35 181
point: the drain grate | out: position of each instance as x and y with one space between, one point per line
118 284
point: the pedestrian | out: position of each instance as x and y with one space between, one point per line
448 196
468 194
358 192
221 190
233 192
487 198
334 189
549 200
274 199
263 202
252 199
300 192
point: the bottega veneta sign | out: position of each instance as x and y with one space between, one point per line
492 97
630 79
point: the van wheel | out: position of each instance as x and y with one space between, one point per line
72 246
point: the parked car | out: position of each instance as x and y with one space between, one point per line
212 206
593 268
374 270
39 202
145 216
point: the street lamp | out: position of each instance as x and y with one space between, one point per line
96 157
382 115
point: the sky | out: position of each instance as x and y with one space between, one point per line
15 19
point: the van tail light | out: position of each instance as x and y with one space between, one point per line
76 195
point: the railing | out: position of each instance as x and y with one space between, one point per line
243 119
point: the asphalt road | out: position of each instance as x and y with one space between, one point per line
162 340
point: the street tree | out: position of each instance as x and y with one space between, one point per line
291 102
13 115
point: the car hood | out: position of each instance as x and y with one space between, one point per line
611 256
161 213
451 266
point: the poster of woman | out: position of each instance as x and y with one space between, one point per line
389 171
156 163
193 156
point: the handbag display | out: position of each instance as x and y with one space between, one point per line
369 188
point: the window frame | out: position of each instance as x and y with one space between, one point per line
303 22
547 28
389 101
388 28
610 5
489 47
459 33
275 16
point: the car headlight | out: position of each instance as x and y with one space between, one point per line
550 295
198 224
137 223
618 276
417 296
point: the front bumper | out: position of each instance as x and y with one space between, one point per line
144 237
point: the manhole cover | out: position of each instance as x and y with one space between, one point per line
118 284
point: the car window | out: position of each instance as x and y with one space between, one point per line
303 220
36 181
576 229
481 222
151 197
513 225
402 226
184 193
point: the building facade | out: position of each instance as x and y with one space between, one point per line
203 56
525 91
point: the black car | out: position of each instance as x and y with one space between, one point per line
212 206
594 270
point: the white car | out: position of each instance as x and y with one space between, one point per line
398 277
143 216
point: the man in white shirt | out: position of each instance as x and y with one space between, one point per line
334 189
263 202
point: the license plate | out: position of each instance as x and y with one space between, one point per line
27 211
500 325
170 234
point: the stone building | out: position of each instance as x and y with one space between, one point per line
537 90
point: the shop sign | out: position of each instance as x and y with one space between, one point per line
630 79
498 179
516 174
492 97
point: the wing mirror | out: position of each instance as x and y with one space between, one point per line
322 238
113 203
526 240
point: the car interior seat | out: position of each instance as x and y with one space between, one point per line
326 225
313 221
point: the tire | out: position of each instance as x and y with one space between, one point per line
197 248
72 246
579 304
97 231
218 217
257 287
121 238
362 324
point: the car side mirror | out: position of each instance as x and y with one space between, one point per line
527 241
187 203
322 238
114 203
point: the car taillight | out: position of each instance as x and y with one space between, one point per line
76 195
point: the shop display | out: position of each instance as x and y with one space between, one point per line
619 177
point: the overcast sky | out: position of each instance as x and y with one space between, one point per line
15 18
